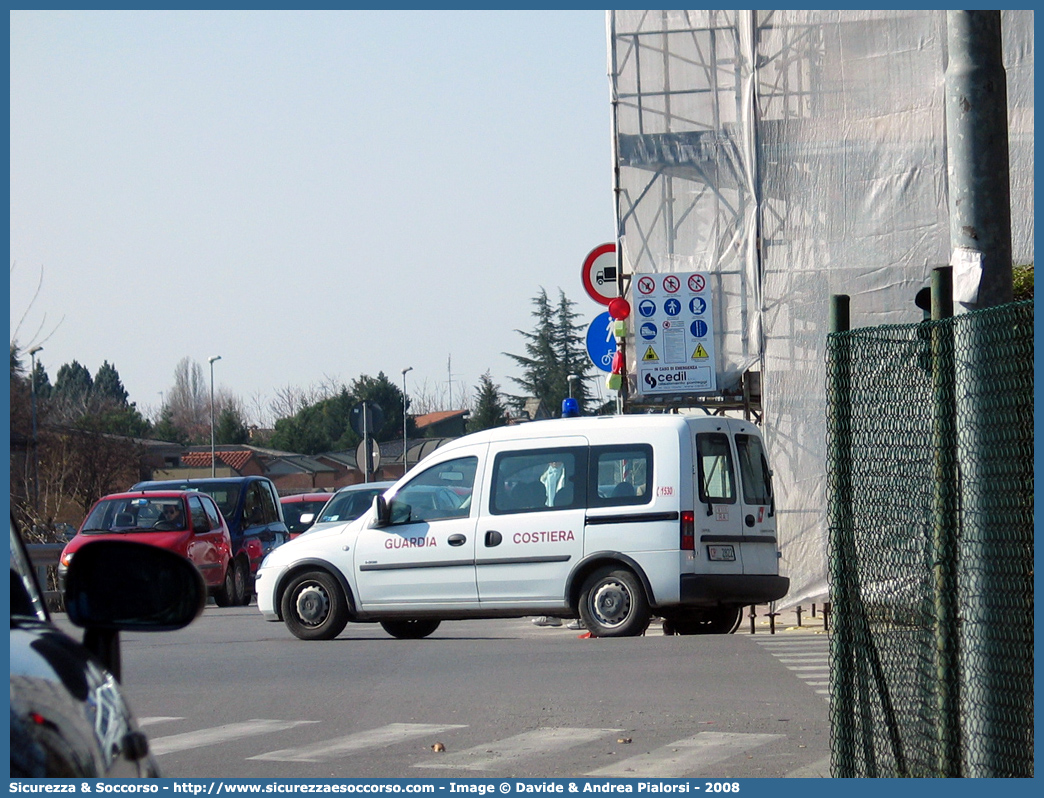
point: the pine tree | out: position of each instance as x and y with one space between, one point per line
108 386
73 384
230 427
489 410
571 336
554 350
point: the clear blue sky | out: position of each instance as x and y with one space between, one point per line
310 195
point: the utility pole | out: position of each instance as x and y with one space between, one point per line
36 453
213 463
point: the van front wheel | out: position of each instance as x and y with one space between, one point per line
613 604
314 606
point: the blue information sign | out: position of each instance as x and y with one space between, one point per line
601 344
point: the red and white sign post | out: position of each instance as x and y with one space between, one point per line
599 274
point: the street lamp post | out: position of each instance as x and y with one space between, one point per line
213 462
572 378
408 368
36 453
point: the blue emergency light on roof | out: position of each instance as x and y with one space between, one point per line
570 408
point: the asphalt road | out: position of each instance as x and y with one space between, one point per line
235 696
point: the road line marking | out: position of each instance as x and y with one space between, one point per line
360 741
521 746
157 719
220 734
686 756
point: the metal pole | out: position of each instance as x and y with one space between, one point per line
944 511
213 462
977 154
995 706
36 453
839 481
404 464
366 441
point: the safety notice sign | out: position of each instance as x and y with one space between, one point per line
676 328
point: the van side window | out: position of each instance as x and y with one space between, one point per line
714 460
754 470
621 475
538 479
442 491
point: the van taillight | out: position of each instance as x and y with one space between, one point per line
688 531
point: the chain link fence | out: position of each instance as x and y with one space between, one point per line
930 483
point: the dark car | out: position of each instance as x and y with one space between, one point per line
68 717
300 510
185 522
254 516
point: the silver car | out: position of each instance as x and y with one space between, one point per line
348 504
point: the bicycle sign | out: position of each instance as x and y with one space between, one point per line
601 343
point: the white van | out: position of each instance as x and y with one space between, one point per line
613 519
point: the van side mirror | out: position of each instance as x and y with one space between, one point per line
380 511
306 519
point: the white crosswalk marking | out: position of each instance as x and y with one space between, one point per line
521 746
220 734
360 741
685 756
807 657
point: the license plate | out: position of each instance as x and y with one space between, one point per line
721 553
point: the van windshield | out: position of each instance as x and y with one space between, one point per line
754 470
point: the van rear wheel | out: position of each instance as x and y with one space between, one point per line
314 606
413 629
613 604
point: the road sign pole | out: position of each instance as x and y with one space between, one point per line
366 442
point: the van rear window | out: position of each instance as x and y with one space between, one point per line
714 460
621 475
754 470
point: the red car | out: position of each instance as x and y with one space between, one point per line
185 522
298 507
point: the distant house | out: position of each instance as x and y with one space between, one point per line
533 410
444 424
300 473
196 464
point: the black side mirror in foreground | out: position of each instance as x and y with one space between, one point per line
380 511
116 585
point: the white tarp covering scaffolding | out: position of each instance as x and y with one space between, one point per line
794 155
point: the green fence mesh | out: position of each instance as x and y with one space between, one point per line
930 482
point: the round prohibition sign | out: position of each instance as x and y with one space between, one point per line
697 282
646 285
671 284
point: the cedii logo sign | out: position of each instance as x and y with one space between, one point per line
677 380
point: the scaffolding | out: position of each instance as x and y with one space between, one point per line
792 155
